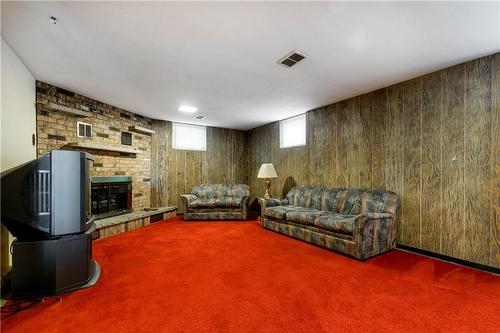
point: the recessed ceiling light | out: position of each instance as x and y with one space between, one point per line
187 108
198 117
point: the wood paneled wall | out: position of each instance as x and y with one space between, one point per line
175 172
434 140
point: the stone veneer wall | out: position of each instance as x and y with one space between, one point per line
56 129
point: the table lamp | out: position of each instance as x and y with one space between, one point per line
267 171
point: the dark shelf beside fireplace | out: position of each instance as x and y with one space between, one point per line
111 196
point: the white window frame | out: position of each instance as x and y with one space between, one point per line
179 146
78 123
283 128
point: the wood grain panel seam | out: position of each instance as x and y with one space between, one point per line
464 161
492 135
441 164
493 158
402 195
492 161
421 161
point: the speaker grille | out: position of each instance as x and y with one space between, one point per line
39 189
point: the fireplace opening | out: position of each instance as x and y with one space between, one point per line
111 196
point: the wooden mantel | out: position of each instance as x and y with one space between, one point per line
103 147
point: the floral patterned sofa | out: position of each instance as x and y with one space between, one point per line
217 202
359 223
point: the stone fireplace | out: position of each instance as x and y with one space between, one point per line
120 142
58 129
111 196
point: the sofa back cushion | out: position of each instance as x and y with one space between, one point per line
379 201
296 195
349 202
237 191
219 191
210 191
329 199
313 197
343 201
305 196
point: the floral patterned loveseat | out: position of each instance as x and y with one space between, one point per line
359 223
217 202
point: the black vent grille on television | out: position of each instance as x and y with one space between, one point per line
39 190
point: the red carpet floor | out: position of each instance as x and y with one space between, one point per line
176 276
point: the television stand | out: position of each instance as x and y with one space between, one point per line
53 266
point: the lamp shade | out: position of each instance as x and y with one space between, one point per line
267 170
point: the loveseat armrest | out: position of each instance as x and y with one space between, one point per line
187 199
244 206
244 201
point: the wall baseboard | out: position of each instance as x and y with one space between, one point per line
450 259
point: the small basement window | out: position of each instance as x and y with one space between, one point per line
293 131
83 130
189 137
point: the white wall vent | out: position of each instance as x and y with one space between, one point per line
292 58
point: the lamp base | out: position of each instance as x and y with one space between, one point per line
267 195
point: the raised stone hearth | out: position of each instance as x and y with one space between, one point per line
117 224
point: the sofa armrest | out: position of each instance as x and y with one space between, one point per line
374 216
374 233
270 202
187 199
362 220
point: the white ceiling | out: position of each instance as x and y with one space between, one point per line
149 58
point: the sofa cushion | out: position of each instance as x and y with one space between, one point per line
340 223
228 202
279 212
305 215
202 203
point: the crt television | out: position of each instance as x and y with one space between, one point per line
48 197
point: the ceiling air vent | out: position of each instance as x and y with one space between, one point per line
199 117
292 58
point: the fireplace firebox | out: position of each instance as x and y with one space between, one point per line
111 196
